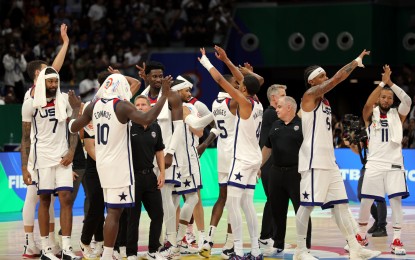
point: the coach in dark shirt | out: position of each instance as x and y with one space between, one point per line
284 142
268 231
146 143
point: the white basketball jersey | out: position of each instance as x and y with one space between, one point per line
317 150
247 131
49 137
225 122
190 156
112 146
382 151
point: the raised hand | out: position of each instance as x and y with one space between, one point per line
246 69
386 75
202 50
360 58
220 53
113 71
166 85
74 101
64 32
142 71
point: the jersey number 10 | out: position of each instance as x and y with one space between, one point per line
102 133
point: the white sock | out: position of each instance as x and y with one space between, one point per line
52 238
108 252
30 241
247 203
171 237
233 205
66 242
229 241
181 232
301 220
45 242
189 228
211 233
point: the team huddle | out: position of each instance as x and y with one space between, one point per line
148 153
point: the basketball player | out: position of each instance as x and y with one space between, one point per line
29 207
321 181
45 115
224 111
384 167
110 115
246 155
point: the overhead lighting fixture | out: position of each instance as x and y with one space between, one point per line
354 81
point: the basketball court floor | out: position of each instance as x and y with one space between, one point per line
327 241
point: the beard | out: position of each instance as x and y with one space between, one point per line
384 108
50 92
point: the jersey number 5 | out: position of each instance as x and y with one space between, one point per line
223 133
102 133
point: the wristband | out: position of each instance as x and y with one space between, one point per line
382 84
215 131
206 63
70 125
359 62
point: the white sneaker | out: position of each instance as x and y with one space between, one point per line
56 249
87 251
397 247
68 254
31 251
132 257
116 255
206 248
48 255
363 253
154 256
266 244
123 251
168 251
190 238
275 253
99 248
303 255
346 248
186 248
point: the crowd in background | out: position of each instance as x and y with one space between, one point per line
104 33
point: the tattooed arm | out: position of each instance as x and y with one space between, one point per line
25 151
313 94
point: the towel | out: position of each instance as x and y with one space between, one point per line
164 113
394 123
40 101
114 86
223 95
185 80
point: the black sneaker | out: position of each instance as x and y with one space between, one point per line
380 232
373 228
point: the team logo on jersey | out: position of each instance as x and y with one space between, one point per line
296 128
153 134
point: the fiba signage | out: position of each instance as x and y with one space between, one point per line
11 169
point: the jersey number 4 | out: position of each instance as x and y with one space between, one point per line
102 133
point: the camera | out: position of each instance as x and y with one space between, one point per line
354 131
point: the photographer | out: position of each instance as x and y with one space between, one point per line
357 141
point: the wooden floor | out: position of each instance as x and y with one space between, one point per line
327 241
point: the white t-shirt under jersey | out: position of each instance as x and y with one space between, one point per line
317 150
112 146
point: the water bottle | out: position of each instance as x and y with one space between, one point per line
11 139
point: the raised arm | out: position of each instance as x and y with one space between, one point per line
374 96
130 111
221 55
310 97
60 58
244 104
135 84
248 69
